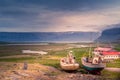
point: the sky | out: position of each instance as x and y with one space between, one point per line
58 15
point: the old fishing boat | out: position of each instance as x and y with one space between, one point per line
68 63
93 63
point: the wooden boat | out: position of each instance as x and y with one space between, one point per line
68 63
94 66
69 66
93 63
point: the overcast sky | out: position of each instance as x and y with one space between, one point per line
58 15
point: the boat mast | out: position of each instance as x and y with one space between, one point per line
90 50
90 45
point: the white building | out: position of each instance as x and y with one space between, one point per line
106 53
111 54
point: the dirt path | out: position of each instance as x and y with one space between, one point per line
113 69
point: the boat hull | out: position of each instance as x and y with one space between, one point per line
69 67
93 70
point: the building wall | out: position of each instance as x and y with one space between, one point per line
111 56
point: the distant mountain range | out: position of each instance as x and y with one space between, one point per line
48 36
110 35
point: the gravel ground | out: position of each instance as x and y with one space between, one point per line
16 71
113 69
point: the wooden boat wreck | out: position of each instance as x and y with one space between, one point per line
93 65
68 63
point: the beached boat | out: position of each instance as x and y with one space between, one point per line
68 63
93 65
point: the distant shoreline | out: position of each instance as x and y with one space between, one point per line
49 43
44 43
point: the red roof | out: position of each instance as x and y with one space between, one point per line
103 49
111 53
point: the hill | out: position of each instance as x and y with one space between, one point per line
110 35
47 36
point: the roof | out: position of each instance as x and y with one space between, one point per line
110 53
103 49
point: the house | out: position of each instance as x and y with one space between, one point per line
106 52
99 50
103 49
111 54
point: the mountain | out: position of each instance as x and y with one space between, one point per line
47 36
110 35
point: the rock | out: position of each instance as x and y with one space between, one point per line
25 66
13 77
20 73
15 65
71 75
23 74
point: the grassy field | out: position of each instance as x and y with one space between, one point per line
52 59
55 52
117 47
110 75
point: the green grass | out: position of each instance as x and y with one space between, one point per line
115 63
117 47
16 59
110 75
49 62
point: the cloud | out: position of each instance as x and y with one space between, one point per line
77 21
57 15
